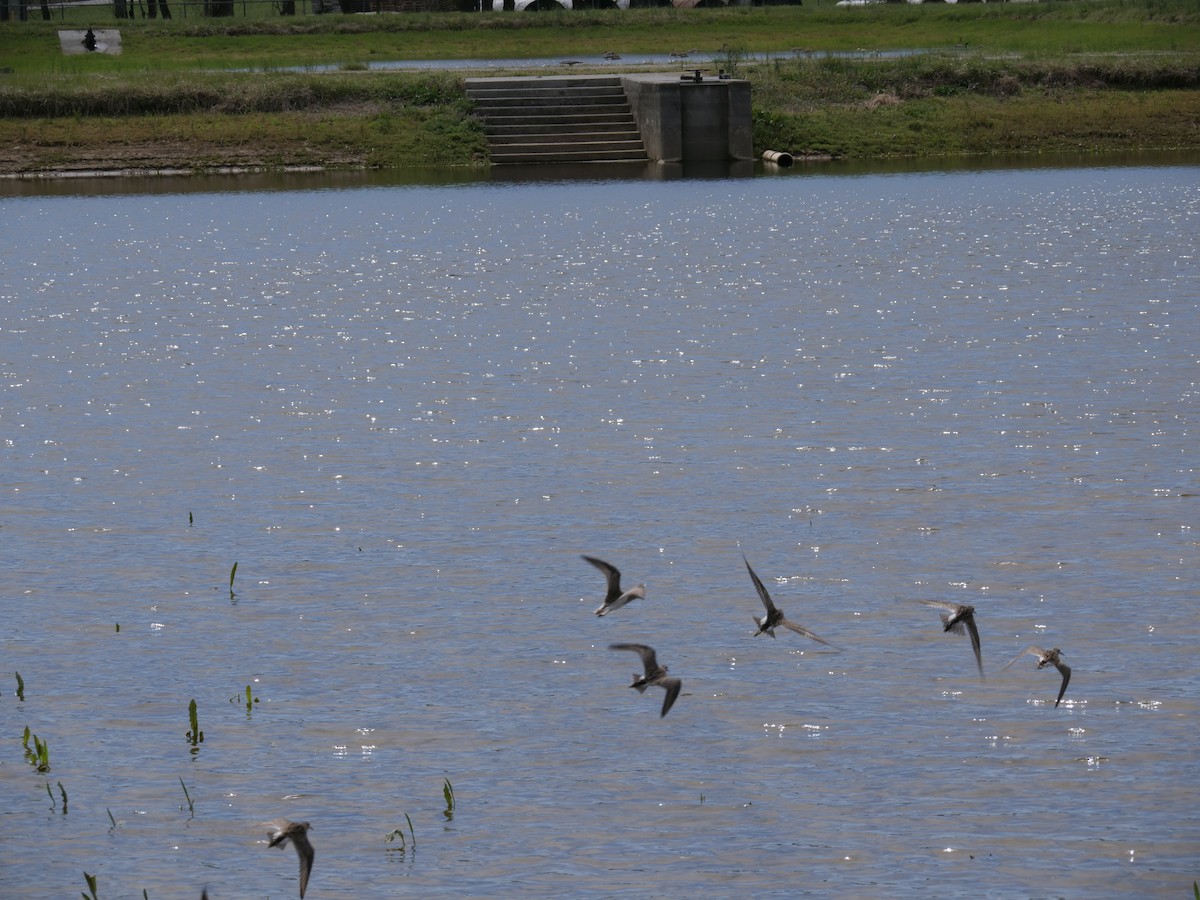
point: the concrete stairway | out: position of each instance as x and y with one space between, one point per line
558 118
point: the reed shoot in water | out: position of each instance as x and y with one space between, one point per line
399 833
195 735
38 755
188 797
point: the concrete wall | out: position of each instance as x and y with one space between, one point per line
683 120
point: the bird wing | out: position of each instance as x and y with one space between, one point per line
758 586
279 829
672 686
634 593
649 660
611 574
970 623
800 629
942 604
306 853
1032 648
1066 674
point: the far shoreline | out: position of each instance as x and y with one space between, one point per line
315 93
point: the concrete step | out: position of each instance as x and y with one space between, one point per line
553 154
546 83
519 105
567 138
561 117
556 126
597 142
549 94
556 119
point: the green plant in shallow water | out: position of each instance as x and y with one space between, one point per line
38 755
250 700
91 883
232 575
20 687
399 833
448 794
62 790
187 797
195 735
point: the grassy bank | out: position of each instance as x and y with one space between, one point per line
1061 27
225 120
928 106
1028 78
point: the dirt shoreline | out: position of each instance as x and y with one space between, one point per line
153 172
932 110
33 161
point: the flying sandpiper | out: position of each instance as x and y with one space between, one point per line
615 598
1045 658
297 832
654 675
955 617
774 617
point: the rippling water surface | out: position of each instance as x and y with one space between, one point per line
405 413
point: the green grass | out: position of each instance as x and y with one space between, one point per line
944 106
999 77
347 120
1026 28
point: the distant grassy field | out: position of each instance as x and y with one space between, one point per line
999 77
1059 27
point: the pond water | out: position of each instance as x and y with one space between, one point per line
405 411
679 58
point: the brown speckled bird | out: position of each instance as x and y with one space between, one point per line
1045 658
283 831
774 617
615 598
654 675
955 618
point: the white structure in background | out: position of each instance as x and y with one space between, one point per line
519 5
565 4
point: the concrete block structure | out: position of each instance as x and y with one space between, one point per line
609 118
